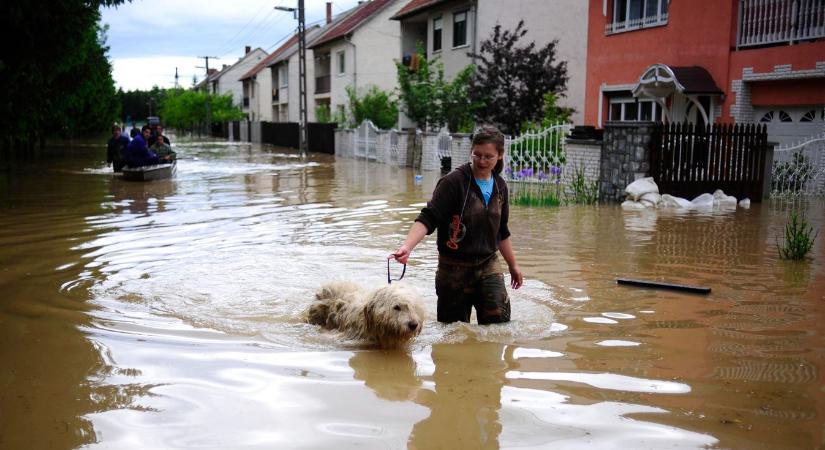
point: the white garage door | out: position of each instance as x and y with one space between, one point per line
791 124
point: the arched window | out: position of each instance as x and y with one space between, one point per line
784 117
768 117
809 116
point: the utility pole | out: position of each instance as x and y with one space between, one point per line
208 102
176 78
302 74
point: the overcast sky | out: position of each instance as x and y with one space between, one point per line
148 39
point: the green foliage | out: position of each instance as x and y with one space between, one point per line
187 110
322 114
55 76
375 105
137 105
537 194
510 82
798 239
430 100
583 191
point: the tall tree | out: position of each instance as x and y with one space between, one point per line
429 99
510 81
54 76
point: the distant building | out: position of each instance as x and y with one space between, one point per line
227 80
450 29
708 61
358 50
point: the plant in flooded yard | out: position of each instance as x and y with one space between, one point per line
536 194
583 191
798 239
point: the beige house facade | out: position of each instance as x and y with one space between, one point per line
451 29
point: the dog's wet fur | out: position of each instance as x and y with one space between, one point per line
388 317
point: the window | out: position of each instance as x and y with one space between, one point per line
809 116
460 29
634 14
767 117
784 117
628 109
342 63
437 34
283 75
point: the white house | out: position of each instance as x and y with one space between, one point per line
227 80
450 29
359 50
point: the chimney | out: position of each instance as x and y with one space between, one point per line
248 49
329 12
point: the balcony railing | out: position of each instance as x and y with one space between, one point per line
322 84
766 22
656 20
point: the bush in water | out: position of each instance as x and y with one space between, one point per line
798 240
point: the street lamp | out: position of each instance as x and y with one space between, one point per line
302 73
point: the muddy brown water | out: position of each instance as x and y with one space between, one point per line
168 315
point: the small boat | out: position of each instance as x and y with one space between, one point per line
149 173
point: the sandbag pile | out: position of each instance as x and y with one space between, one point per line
644 193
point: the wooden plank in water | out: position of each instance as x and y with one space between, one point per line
663 285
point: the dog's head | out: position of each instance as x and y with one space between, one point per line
394 315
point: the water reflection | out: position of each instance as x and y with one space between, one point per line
168 315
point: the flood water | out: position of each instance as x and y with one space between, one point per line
168 314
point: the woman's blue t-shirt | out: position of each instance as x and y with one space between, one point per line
486 187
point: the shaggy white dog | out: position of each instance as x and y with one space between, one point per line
388 317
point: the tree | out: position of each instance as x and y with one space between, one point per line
186 110
429 99
375 105
510 81
55 76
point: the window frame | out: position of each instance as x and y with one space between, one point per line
621 20
440 21
341 60
283 76
466 13
656 112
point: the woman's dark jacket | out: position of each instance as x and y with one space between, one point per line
486 226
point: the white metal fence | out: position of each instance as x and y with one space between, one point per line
763 22
799 170
537 156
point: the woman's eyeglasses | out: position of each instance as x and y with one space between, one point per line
483 157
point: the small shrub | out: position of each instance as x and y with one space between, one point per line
583 191
537 194
322 114
798 239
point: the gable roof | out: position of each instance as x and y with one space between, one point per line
312 33
414 7
360 14
293 40
229 67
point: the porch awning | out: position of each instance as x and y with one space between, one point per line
660 81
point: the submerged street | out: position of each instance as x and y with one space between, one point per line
168 314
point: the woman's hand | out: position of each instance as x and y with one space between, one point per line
516 279
401 255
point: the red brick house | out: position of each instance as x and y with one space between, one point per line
708 61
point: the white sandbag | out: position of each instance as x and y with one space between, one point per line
669 201
703 201
745 203
651 197
640 187
630 204
722 200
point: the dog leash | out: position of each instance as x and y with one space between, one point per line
389 280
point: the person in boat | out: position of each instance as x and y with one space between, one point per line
162 148
116 149
138 153
157 130
134 131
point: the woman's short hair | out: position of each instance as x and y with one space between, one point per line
489 134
